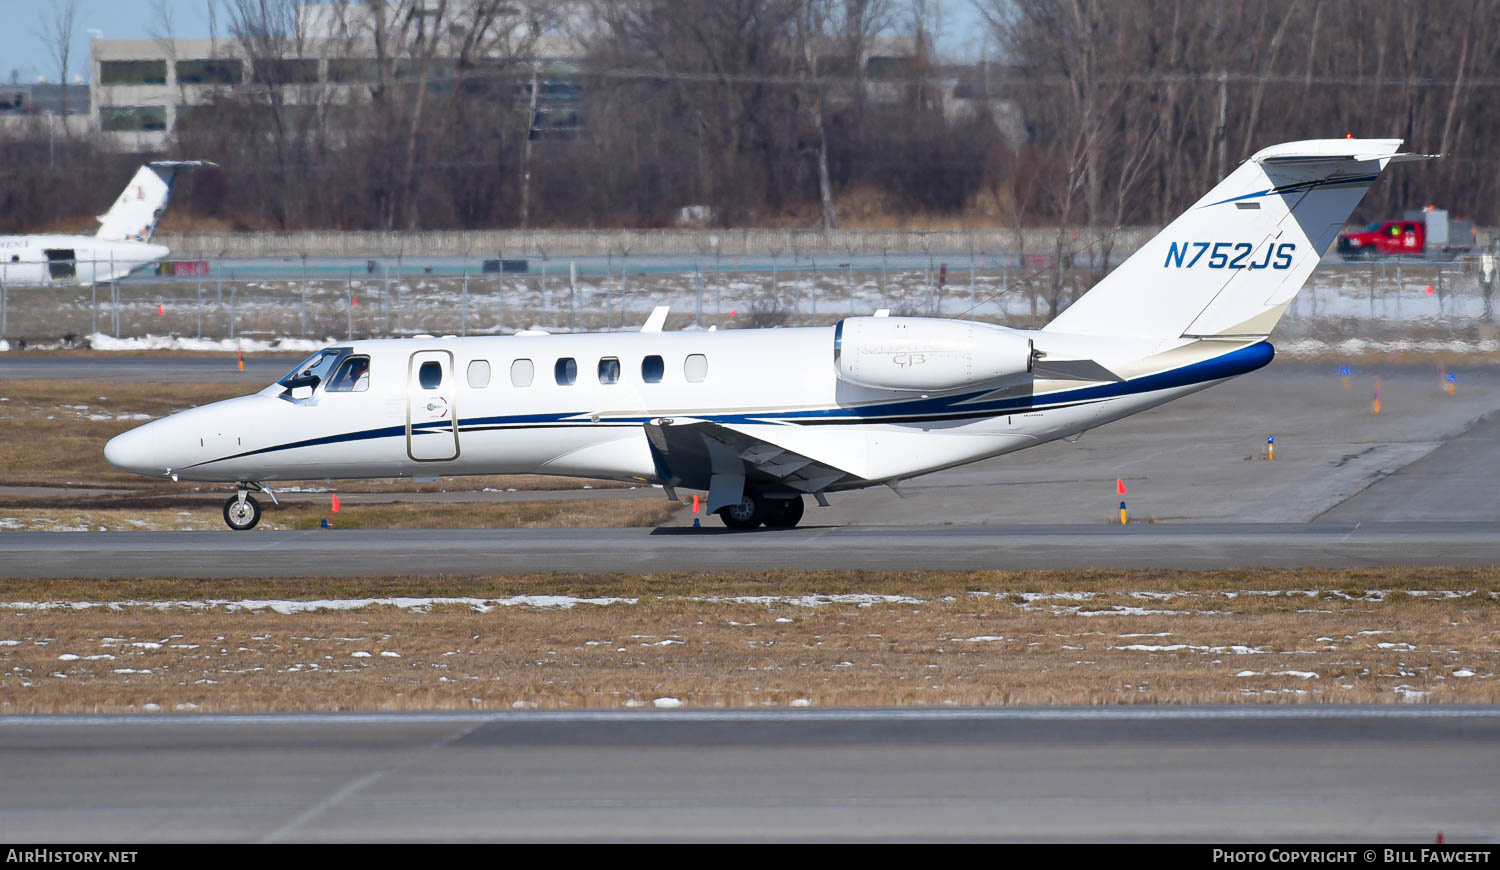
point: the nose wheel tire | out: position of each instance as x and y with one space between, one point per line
747 514
242 515
783 513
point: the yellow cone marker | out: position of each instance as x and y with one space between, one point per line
1122 513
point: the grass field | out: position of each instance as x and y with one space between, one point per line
776 638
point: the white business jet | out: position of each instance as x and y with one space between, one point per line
761 418
121 246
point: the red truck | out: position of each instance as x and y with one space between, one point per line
1427 233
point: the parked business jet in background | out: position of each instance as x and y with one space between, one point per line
761 418
122 244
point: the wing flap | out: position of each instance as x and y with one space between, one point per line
692 452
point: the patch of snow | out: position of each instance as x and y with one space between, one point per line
67 657
152 708
359 654
666 703
981 638
1305 675
801 702
1463 672
390 654
100 341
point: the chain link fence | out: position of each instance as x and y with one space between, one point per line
1387 297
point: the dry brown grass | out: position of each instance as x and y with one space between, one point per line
47 438
954 638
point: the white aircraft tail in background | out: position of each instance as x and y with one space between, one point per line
763 418
1230 265
121 245
139 208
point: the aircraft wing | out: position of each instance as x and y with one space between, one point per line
690 452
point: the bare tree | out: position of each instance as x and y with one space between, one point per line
55 28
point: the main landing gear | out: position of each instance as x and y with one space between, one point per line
242 511
755 509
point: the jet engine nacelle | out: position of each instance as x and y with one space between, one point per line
918 353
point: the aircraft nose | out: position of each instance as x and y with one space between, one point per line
137 451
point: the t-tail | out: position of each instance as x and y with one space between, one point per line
138 210
1229 267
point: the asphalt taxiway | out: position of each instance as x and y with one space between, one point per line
1388 774
437 552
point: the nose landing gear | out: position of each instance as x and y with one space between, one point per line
242 511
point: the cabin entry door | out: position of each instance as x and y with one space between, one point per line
431 415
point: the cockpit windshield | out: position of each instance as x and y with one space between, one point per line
318 366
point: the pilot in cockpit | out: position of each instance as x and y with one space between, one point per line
353 376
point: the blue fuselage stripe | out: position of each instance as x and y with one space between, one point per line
966 405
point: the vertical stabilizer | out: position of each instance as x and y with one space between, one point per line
139 208
1231 265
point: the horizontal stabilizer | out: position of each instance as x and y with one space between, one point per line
1073 370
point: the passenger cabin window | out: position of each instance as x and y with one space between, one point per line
479 374
609 370
695 368
652 368
521 373
352 377
566 371
430 375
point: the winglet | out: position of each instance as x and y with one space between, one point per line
657 320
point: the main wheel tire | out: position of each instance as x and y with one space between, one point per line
242 517
749 513
784 513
